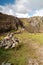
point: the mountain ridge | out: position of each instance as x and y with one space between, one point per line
8 22
32 24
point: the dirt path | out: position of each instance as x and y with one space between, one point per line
36 54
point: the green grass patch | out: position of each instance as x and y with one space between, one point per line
20 56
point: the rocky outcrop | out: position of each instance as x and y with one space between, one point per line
9 41
33 24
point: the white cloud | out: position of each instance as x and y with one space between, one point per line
22 15
22 8
38 13
26 6
7 10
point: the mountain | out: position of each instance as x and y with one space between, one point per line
8 22
33 24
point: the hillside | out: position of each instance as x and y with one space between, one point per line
30 47
33 24
8 22
30 51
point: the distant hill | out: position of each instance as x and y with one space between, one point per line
33 24
8 22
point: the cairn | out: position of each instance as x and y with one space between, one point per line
9 41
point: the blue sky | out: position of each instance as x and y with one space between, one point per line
22 8
3 2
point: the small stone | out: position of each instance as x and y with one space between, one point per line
13 46
6 63
7 47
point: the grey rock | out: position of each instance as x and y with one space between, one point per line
9 41
6 63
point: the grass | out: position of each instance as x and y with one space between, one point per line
17 57
37 37
20 56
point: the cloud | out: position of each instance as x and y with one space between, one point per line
38 13
22 15
23 8
7 10
26 6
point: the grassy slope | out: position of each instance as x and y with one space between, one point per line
20 56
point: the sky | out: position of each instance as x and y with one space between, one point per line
22 8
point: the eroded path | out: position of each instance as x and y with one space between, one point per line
36 54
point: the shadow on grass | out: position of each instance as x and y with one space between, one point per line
6 55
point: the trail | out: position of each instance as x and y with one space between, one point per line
36 54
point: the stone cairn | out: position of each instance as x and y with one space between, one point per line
9 41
